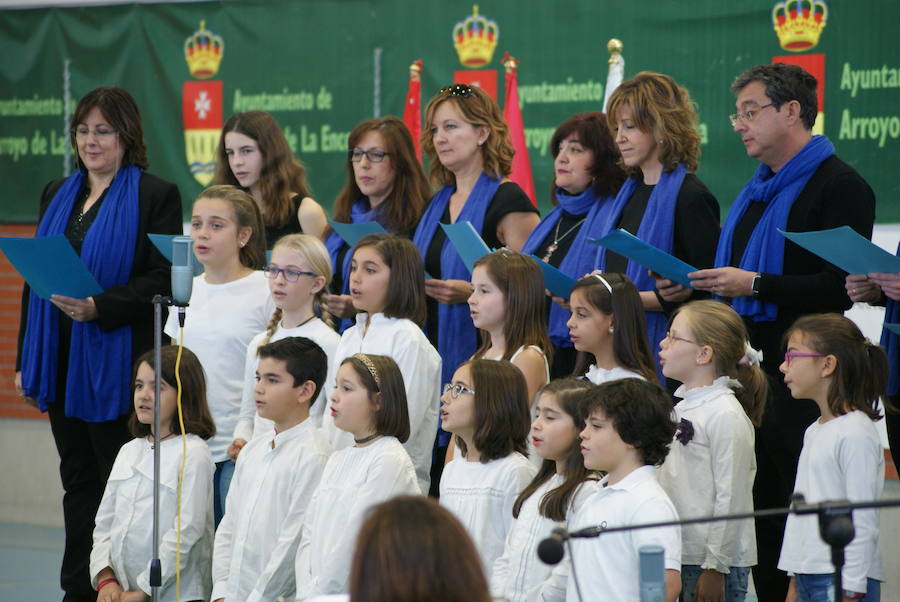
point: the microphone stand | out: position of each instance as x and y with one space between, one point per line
835 525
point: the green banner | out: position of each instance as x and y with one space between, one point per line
321 67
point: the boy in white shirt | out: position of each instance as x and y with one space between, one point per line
629 427
276 474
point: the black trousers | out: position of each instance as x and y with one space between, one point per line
779 440
87 451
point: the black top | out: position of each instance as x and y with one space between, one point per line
292 226
567 228
509 198
80 222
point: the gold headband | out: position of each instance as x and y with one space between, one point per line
370 366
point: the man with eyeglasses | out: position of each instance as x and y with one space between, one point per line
800 185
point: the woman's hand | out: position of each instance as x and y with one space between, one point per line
448 292
710 587
340 306
235 448
563 303
862 290
81 310
889 283
21 392
670 290
725 282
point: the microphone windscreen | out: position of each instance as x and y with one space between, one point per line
182 269
550 550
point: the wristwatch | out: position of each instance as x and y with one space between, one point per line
754 285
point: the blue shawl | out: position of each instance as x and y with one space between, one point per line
98 385
581 256
765 249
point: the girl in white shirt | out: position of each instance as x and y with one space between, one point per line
553 495
387 286
299 272
711 464
609 330
230 303
829 361
123 546
507 304
369 403
486 407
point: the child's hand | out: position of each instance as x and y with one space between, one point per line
710 587
235 448
111 592
792 591
135 596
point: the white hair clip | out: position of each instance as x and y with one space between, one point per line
752 357
605 283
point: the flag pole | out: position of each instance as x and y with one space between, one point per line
616 69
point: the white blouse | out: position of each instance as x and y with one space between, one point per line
598 376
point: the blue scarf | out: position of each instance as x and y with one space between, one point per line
458 339
98 385
765 249
658 229
360 212
581 255
891 343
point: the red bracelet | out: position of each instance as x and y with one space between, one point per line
106 582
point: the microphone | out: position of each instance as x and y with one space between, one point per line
652 573
182 273
550 550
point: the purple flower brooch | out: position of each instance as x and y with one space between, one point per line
685 431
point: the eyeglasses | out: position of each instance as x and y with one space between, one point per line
374 155
790 355
461 90
457 389
272 271
99 133
748 115
671 337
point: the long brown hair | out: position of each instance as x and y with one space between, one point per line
630 346
478 109
411 549
659 106
502 416
861 369
593 134
716 325
410 192
282 173
570 394
120 110
520 280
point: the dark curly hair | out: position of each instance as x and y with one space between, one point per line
640 411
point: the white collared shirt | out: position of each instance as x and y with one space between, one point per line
123 531
598 376
251 424
355 479
842 459
712 475
420 365
256 542
608 567
481 496
518 573
220 321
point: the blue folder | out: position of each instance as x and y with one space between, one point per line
559 284
163 243
846 249
626 244
351 233
467 243
50 266
895 328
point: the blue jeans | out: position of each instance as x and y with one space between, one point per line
820 588
221 483
735 582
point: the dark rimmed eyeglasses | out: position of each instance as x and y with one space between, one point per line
457 389
461 90
790 355
272 271
374 155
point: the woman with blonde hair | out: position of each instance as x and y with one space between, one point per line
663 202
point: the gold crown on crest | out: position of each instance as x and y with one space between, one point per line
203 52
475 39
799 23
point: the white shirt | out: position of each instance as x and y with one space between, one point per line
598 376
608 567
355 479
251 424
842 459
481 495
256 542
220 321
518 573
123 532
420 365
712 475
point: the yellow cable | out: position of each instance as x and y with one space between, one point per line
183 462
